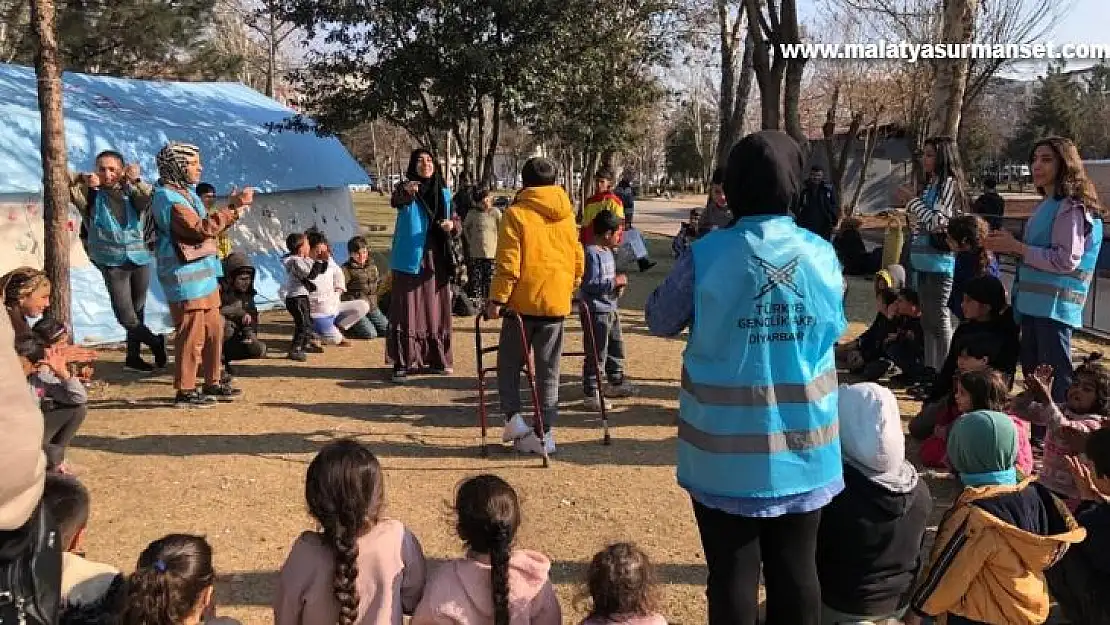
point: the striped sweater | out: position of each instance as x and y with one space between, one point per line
948 204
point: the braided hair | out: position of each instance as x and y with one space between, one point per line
20 283
169 581
488 513
344 492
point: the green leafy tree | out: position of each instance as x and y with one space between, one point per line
1056 110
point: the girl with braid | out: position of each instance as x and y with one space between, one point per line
494 584
360 568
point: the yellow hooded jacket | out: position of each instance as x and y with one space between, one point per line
539 261
985 569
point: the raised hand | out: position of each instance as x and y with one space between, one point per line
131 173
1084 480
1040 383
243 198
56 361
92 181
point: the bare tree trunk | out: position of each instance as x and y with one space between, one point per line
494 139
55 177
736 83
951 74
869 142
480 178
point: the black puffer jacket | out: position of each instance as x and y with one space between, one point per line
234 305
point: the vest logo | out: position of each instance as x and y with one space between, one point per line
778 276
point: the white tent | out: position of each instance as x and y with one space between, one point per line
303 179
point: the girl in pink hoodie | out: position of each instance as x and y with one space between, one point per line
621 582
360 569
494 584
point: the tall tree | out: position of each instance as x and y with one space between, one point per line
1057 110
55 177
952 74
772 25
737 70
268 24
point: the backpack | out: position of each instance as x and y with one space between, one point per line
31 572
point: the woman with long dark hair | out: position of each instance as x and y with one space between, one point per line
1057 259
420 303
966 236
943 197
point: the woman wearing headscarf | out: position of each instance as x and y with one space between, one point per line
869 543
993 546
190 280
420 304
758 444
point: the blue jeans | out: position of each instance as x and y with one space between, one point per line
1046 341
373 325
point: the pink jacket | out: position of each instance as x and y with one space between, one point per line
653 619
390 578
1055 473
458 593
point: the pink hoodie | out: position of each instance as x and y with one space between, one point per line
635 619
390 578
458 593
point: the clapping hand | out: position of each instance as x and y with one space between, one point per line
55 360
241 200
1040 384
132 173
1084 480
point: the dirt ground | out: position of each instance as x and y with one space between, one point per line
236 473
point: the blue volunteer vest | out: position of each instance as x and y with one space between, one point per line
758 405
112 244
923 256
181 281
1057 296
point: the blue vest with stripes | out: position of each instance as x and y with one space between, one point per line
180 280
758 405
923 256
112 244
1057 296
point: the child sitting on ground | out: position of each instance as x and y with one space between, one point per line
977 387
54 333
61 396
480 231
868 347
539 267
173 584
621 586
361 276
331 315
1078 582
300 271
903 347
360 567
601 286
84 582
494 583
870 536
1087 407
239 311
992 547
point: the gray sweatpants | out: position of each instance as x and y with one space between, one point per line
934 289
545 338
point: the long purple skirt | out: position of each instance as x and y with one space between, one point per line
420 319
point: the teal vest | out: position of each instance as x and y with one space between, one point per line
112 244
923 256
1057 296
758 405
180 280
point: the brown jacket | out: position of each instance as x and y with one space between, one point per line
22 463
188 226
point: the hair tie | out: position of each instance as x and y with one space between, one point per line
160 566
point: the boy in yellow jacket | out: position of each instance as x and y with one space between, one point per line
538 268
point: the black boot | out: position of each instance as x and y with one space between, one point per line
133 361
158 346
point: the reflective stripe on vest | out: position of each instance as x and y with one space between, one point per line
1056 296
181 281
923 256
112 244
758 403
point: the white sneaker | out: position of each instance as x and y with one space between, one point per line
515 429
593 402
620 390
530 444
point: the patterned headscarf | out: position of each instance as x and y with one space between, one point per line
172 160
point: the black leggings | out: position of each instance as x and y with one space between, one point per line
736 546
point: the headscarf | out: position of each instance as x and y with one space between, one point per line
982 449
871 436
431 188
764 174
172 162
